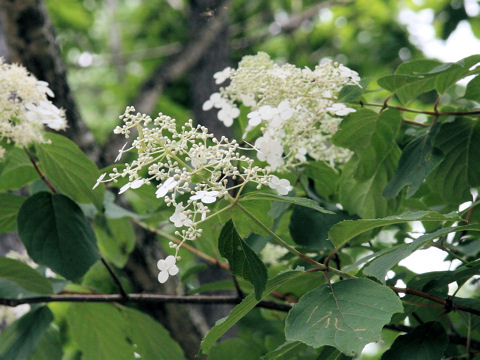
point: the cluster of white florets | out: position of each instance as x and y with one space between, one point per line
296 110
25 108
190 168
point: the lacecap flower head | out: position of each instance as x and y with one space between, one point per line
190 168
296 109
25 108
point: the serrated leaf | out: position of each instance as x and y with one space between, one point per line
56 234
325 178
308 203
421 76
151 339
16 170
242 309
426 342
346 230
459 171
350 93
116 239
365 198
70 170
347 315
9 206
19 340
371 136
242 259
418 160
23 275
473 89
100 331
384 261
258 209
310 228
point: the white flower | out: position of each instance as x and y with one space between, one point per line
227 114
179 217
340 109
281 186
248 99
43 87
215 101
207 197
99 180
223 75
167 268
269 150
135 184
167 186
254 119
120 153
47 113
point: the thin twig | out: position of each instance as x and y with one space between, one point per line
426 112
141 298
115 278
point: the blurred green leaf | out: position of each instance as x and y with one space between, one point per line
24 275
9 206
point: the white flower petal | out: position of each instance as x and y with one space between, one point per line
173 270
124 188
163 276
162 265
137 183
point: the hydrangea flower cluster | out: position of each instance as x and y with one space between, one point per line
25 107
190 169
296 109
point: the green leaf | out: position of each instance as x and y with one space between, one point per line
100 331
350 93
116 239
418 160
56 234
347 315
365 198
325 178
70 170
420 76
310 228
371 136
49 347
426 342
9 206
343 232
23 275
459 171
237 349
285 351
257 208
151 339
300 201
20 339
243 260
16 170
385 260
242 309
473 89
